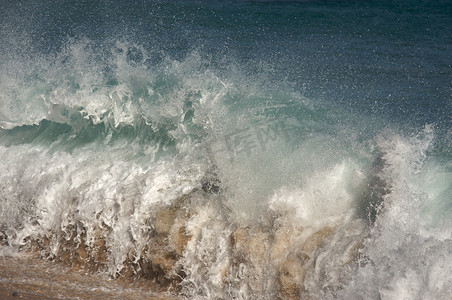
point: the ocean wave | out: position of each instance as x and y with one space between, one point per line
214 184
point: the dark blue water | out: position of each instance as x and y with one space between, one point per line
324 113
390 57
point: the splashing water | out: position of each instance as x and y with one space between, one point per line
212 180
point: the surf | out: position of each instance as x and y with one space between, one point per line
211 178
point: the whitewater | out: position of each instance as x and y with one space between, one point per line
214 172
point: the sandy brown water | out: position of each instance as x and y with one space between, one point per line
25 277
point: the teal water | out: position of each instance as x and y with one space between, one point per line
307 114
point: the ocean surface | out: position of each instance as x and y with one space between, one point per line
231 149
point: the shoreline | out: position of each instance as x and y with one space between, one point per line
26 277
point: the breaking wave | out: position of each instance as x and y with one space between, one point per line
216 183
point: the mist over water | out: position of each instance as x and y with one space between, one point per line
241 150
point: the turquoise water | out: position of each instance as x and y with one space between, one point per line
303 114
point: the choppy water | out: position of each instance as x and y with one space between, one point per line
232 149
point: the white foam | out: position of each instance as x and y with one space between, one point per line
404 260
326 198
287 190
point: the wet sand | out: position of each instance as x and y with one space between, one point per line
24 277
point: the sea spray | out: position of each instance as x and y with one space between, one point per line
283 158
110 178
404 220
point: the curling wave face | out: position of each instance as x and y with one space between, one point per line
213 184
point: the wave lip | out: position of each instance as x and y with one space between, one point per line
209 183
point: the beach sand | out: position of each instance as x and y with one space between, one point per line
24 277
